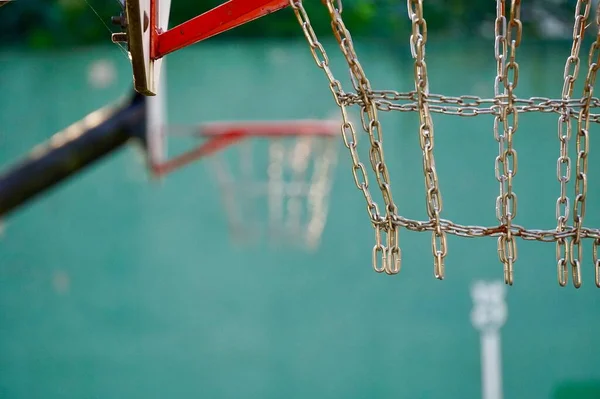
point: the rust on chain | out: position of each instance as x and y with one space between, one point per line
505 108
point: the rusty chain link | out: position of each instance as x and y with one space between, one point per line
505 107
469 105
508 39
386 258
418 39
372 126
501 169
565 129
583 147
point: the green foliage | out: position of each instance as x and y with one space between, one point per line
68 23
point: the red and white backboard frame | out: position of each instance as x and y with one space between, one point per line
150 39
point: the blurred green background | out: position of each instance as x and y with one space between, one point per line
114 286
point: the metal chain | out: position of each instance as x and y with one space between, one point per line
467 231
500 51
418 39
469 105
583 147
386 258
505 107
565 128
372 126
508 35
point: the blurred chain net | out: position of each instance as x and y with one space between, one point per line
574 113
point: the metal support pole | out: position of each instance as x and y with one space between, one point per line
70 151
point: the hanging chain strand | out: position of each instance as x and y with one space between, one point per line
372 127
565 128
418 39
386 258
508 35
500 50
583 147
505 107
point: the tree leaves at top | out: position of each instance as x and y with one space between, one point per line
68 23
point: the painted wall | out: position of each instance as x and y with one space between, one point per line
115 287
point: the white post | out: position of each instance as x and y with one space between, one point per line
488 316
157 119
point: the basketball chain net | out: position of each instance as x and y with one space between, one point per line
505 106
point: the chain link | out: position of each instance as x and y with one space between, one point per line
565 128
582 143
470 231
418 39
505 107
389 254
372 126
500 52
508 39
469 105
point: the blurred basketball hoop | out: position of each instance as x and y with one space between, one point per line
276 180
274 176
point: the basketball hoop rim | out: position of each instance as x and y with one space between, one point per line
271 128
221 135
